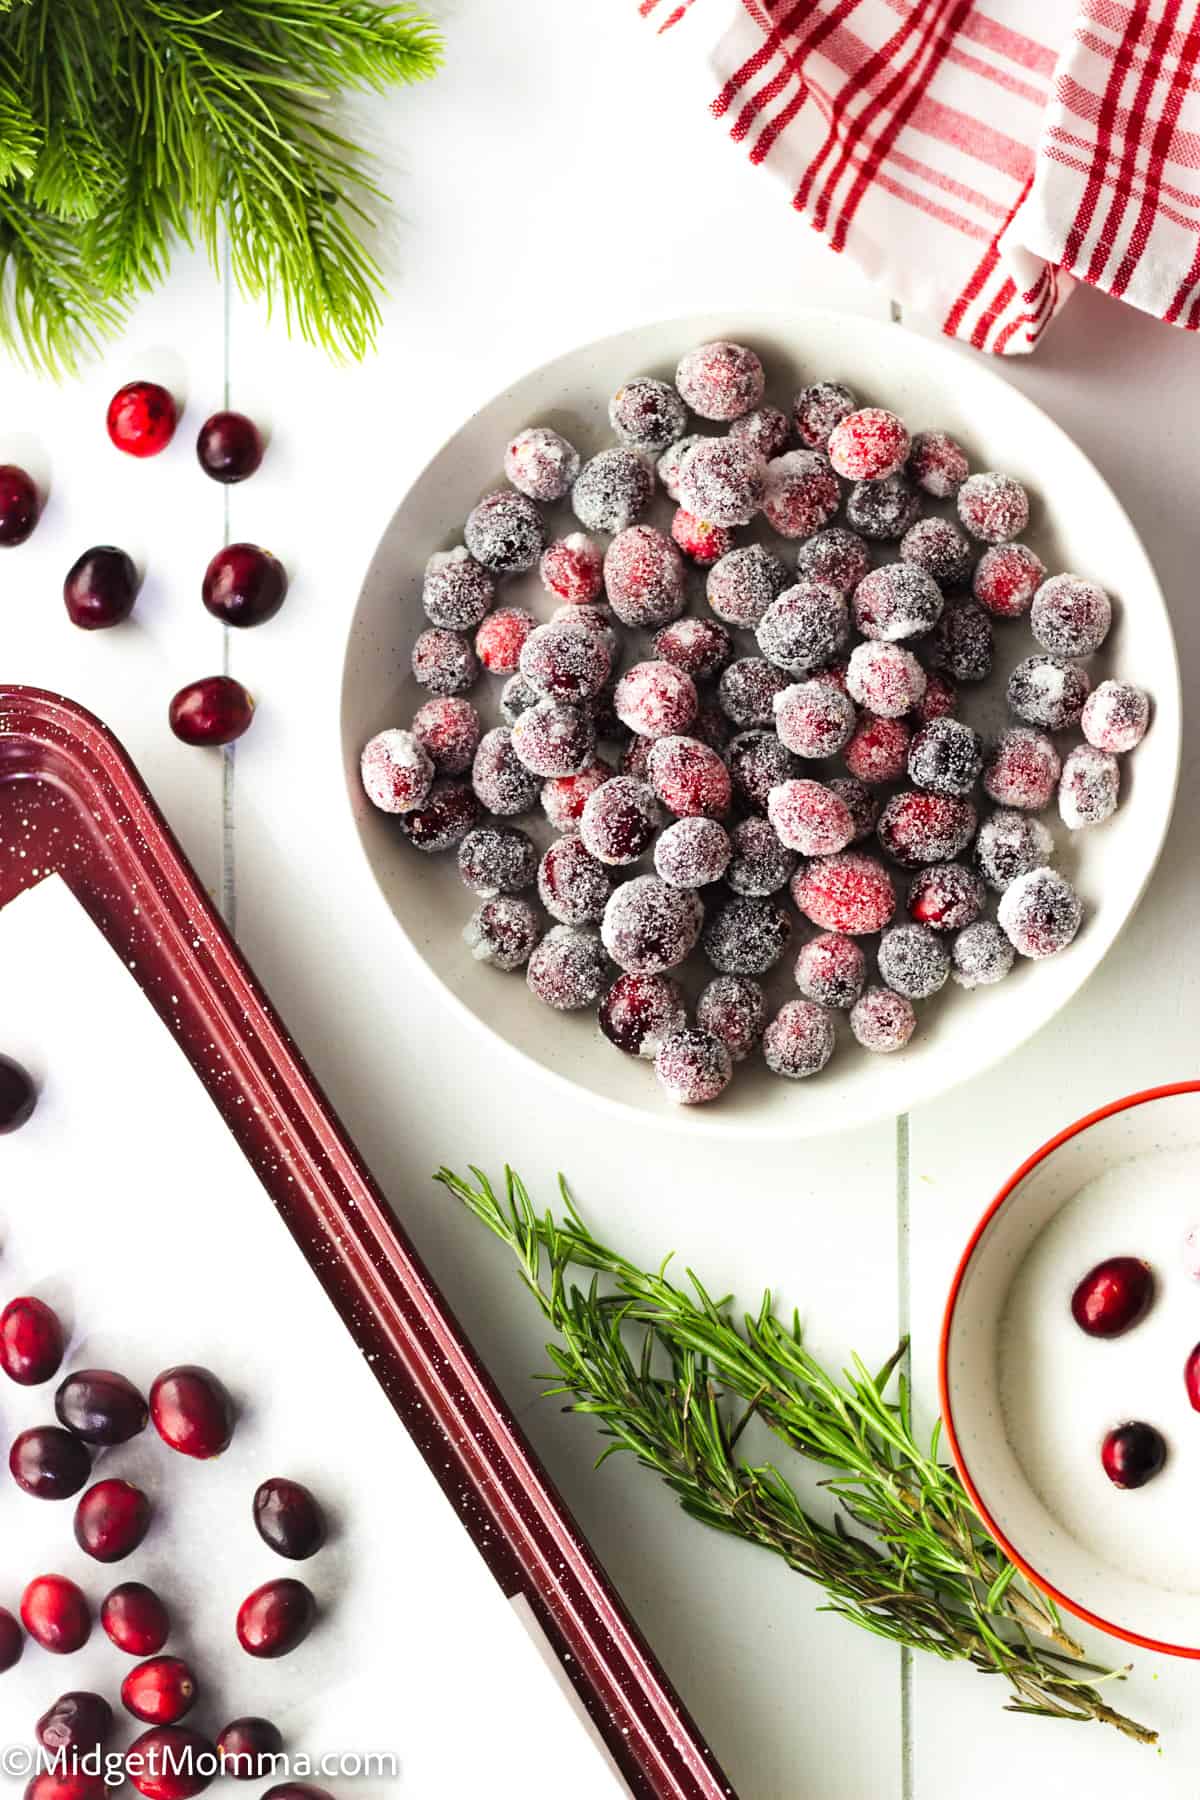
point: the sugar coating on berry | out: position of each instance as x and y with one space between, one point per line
503 932
724 480
572 569
940 549
689 777
613 490
671 461
760 864
962 643
692 852
503 783
1090 788
568 970
940 699
993 507
497 859
835 557
851 893
805 628
1116 716
886 679
574 886
711 726
917 828
913 961
565 796
620 819
444 817
878 751
818 409
1006 578
540 463
869 445
865 807
505 532
596 620
809 817
501 638
883 1021
397 771
457 591
647 414
566 663
981 955
743 585
448 730
897 601
883 510
700 540
639 1011
946 897
802 493
656 699
553 738
945 757
1040 912
1070 616
814 719
757 762
693 1066
937 464
1022 769
635 757
643 575
831 970
747 689
747 935
444 662
701 647
799 1040
1010 844
516 697
720 380
1048 691
650 927
766 430
734 1009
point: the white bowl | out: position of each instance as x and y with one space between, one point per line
1078 525
1027 1397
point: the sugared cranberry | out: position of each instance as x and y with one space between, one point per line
946 897
1006 578
883 1021
573 884
1116 716
56 1614
809 817
723 480
1070 616
831 969
701 541
734 1009
191 1411
288 1517
692 853
849 893
1132 1454
613 489
878 750
566 662
504 781
1040 912
945 758
693 1066
31 1341
937 464
503 932
505 532
747 689
247 1748
1048 691
78 1722
540 463
111 1520
814 719
720 380
939 701
649 927
443 819
1022 769
159 1692
747 934
799 1041
639 1011
12 1640
918 828
1090 787
572 569
804 630
135 1619
897 600
643 577
18 505
869 445
497 859
743 584
885 678
993 507
448 730
939 550
619 820
913 961
53 1784
49 1463
170 1762
760 864
962 643
757 763
1113 1296
802 493
981 955
689 778
569 968
229 447
276 1617
766 428
141 418
100 588
244 585
214 710
1009 844
836 557
819 409
565 796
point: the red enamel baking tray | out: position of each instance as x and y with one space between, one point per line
72 802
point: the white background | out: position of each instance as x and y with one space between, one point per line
560 180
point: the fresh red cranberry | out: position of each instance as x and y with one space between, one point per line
100 1406
159 1692
18 1096
31 1341
77 1722
51 1785
49 1463
229 447
141 418
1113 1296
1191 1379
135 1619
12 1640
18 504
1132 1454
56 1614
100 588
275 1618
246 1747
170 1762
244 585
191 1411
215 710
289 1518
111 1520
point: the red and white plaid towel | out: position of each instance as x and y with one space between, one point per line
978 159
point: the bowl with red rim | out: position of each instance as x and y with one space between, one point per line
1027 1396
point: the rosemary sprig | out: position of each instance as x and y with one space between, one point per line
674 1377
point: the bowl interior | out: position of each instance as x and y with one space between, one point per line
1078 524
1028 1396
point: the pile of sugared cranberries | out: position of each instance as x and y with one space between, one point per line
742 720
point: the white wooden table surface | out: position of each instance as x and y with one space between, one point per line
561 179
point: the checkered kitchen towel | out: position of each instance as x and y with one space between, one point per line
977 158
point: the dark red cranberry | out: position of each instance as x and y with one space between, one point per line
191 1411
18 504
111 1520
159 1692
18 1096
31 1341
77 1721
100 1406
229 447
244 585
12 1640
100 588
49 1463
214 710
141 418
1113 1296
289 1518
170 1762
246 1747
135 1619
56 1614
1132 1454
49 1784
1191 1379
275 1617
297 1790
